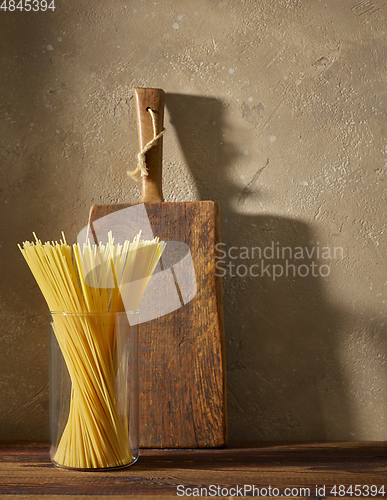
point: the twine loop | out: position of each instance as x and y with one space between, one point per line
141 170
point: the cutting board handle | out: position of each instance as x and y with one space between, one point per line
154 99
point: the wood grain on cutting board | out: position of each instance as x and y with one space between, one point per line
182 354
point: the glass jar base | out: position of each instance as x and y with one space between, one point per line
96 469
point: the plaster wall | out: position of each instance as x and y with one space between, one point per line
276 109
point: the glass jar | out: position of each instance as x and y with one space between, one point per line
94 390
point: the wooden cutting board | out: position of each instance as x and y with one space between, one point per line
182 354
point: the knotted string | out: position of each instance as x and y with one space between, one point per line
141 169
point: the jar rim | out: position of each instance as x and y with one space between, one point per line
94 313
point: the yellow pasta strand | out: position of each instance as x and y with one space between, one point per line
87 284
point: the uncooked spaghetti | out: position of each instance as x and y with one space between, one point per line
91 284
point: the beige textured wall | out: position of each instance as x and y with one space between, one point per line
297 87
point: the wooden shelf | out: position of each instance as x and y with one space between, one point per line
25 469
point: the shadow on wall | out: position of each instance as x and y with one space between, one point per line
284 379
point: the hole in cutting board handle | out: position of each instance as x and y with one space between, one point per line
148 108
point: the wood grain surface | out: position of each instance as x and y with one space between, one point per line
145 98
27 470
182 358
182 354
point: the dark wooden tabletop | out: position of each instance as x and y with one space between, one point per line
343 469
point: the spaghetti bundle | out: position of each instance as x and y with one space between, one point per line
90 285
